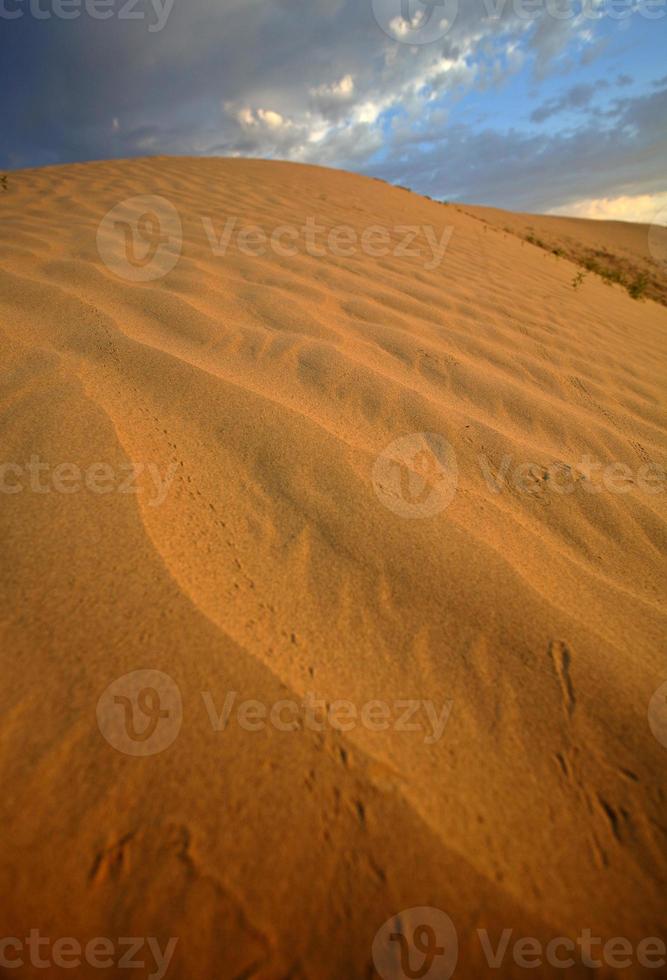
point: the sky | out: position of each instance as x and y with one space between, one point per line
532 105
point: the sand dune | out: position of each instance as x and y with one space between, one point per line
269 548
622 252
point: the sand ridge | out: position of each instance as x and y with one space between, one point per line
264 388
624 254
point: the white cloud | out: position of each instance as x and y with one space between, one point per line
367 112
272 119
643 208
245 117
338 90
248 118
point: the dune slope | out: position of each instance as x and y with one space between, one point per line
625 253
235 531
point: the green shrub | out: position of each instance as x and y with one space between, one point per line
638 287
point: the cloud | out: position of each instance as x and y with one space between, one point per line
319 81
334 99
300 59
270 118
577 97
340 91
609 157
644 208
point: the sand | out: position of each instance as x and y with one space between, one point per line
616 249
271 550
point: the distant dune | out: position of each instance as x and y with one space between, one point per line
416 462
620 252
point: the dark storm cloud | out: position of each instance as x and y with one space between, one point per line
211 60
311 80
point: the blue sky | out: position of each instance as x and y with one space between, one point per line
537 105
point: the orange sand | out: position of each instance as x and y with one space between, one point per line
274 568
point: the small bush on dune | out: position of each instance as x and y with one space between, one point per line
638 287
